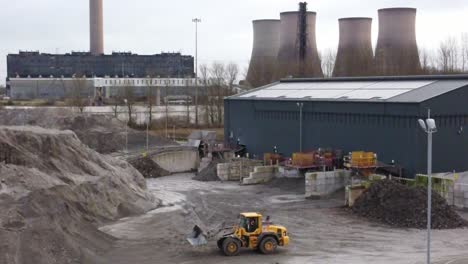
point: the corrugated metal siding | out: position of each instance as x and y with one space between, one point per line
389 129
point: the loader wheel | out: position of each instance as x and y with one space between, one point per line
268 245
231 247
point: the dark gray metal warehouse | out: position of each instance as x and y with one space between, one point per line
376 114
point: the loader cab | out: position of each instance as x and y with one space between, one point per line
250 223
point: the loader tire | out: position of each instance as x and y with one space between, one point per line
231 247
268 245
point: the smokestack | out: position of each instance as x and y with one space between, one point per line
355 55
397 51
96 27
298 56
263 63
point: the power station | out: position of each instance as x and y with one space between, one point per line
397 51
298 55
263 62
25 66
355 55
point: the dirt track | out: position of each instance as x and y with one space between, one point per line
321 231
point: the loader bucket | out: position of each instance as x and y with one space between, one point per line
197 238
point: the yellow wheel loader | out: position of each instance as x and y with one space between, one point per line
251 233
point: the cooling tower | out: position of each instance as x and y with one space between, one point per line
355 55
96 27
263 63
297 38
397 52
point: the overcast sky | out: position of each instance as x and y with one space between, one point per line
225 34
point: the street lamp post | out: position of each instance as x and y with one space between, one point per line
429 126
301 106
196 21
126 131
147 131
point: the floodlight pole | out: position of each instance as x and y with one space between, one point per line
196 21
429 189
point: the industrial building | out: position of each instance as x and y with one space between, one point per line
35 64
378 114
105 88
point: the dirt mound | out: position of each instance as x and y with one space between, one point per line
149 168
398 205
103 133
209 173
55 191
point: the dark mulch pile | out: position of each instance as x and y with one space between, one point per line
148 168
398 205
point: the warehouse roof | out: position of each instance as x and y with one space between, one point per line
407 89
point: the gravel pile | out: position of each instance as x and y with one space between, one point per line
103 133
209 173
54 194
398 205
149 168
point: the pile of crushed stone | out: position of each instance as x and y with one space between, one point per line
209 173
398 205
149 168
55 192
103 133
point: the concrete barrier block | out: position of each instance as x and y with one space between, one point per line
311 176
321 176
264 169
466 195
464 187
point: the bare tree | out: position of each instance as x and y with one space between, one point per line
448 56
204 78
150 98
187 103
218 74
427 58
127 95
79 84
232 73
328 58
464 51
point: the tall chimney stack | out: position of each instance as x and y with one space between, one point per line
355 55
397 50
96 27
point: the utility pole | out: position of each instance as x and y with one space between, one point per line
301 106
196 21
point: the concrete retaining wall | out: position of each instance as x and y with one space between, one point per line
237 169
178 161
261 174
460 196
321 184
